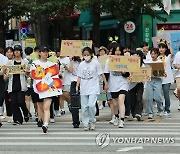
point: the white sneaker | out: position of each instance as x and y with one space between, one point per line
86 128
92 126
52 121
116 121
2 117
179 107
150 116
166 114
57 113
121 124
101 107
10 120
160 114
112 120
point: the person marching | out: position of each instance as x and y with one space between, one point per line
43 104
136 92
154 89
166 55
118 86
17 86
75 100
3 62
89 72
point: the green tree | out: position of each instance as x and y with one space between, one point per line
120 9
38 11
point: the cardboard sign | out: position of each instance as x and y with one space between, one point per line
47 81
124 63
157 69
30 42
156 40
175 42
15 69
102 60
74 47
143 76
1 67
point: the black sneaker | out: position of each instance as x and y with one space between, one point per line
44 128
17 123
76 126
39 123
26 118
138 117
62 112
69 106
0 124
30 115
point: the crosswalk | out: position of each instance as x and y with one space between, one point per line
61 136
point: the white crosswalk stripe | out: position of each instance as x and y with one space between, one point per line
62 135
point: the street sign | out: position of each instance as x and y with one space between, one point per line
129 27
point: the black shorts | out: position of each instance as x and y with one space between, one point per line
116 94
29 92
35 97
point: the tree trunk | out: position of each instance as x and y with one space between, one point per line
2 31
41 30
37 29
96 23
44 31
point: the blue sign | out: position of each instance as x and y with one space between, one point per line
175 42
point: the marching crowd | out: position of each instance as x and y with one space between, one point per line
81 79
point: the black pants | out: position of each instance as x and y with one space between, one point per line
136 99
56 102
74 110
127 104
9 105
18 101
54 106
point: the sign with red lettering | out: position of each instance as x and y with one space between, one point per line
124 63
74 47
129 27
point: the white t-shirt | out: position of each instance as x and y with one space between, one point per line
89 74
148 57
65 74
168 70
75 65
3 59
43 65
116 81
177 62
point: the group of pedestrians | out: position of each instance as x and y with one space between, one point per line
81 79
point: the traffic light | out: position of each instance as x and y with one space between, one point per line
23 29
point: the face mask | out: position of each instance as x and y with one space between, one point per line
87 58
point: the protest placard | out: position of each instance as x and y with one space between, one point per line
102 60
143 75
47 81
156 39
157 69
30 42
175 42
74 47
1 67
15 69
124 63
